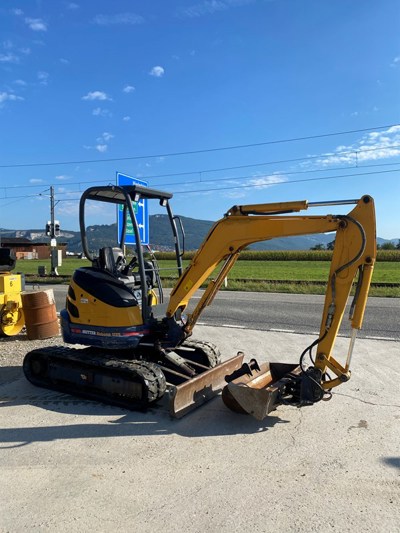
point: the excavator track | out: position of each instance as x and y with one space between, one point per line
204 352
95 374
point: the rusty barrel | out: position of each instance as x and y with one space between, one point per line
40 314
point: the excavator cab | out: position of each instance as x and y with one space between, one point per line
112 303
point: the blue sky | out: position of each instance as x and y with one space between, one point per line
87 81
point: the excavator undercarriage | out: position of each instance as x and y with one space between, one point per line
136 384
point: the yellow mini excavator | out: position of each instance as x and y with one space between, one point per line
11 315
139 346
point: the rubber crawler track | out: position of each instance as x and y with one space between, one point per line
210 351
41 365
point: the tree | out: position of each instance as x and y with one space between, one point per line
387 246
318 247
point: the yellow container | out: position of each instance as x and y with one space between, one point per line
10 283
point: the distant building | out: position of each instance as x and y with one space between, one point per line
27 249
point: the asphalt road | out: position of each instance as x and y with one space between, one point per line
292 313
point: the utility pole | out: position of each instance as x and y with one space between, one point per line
53 239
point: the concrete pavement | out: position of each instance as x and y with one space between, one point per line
72 465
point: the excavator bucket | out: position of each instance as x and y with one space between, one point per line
258 391
200 389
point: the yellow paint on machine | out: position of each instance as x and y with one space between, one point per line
95 312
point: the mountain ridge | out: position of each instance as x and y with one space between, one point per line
161 236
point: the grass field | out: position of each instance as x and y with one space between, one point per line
294 272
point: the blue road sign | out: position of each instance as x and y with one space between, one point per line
141 213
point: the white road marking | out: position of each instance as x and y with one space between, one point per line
381 338
278 330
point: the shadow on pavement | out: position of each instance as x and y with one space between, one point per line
394 462
211 419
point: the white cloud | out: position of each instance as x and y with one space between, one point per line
69 208
209 7
101 148
26 51
21 83
9 57
36 24
43 77
127 118
101 141
119 18
372 146
105 137
35 180
235 194
100 112
17 12
7 44
64 61
4 97
157 72
204 8
239 189
395 62
72 5
263 182
63 178
128 89
96 95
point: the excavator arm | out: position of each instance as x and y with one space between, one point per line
354 254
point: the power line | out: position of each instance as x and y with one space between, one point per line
288 182
250 186
207 150
355 151
277 162
284 173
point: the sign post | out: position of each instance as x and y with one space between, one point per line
141 213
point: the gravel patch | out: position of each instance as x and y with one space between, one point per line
13 350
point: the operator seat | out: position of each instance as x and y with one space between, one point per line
111 259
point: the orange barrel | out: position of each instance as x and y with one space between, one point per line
40 314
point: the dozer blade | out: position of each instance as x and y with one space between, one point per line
260 393
200 389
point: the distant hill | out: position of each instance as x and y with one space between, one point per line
161 237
